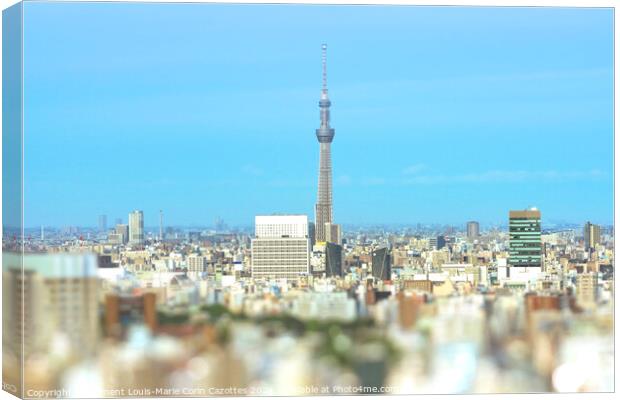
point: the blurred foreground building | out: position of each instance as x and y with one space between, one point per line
60 297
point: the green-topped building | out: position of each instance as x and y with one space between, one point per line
524 240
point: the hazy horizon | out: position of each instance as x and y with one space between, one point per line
395 225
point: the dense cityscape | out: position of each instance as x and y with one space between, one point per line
292 306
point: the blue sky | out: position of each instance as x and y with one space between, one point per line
441 114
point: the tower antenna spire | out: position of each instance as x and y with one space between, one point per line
324 59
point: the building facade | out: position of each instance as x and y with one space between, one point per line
123 231
473 230
136 227
57 294
115 238
586 290
525 247
197 263
281 226
334 259
281 248
441 242
381 264
333 233
591 235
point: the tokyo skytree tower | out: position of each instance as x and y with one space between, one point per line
325 135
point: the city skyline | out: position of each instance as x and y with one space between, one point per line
178 220
438 227
223 125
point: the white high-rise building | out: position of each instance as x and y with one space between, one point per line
136 227
281 248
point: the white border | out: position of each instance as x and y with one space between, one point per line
483 3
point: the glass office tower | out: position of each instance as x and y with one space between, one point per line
524 240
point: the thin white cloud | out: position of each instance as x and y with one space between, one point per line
485 177
374 181
343 180
413 169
